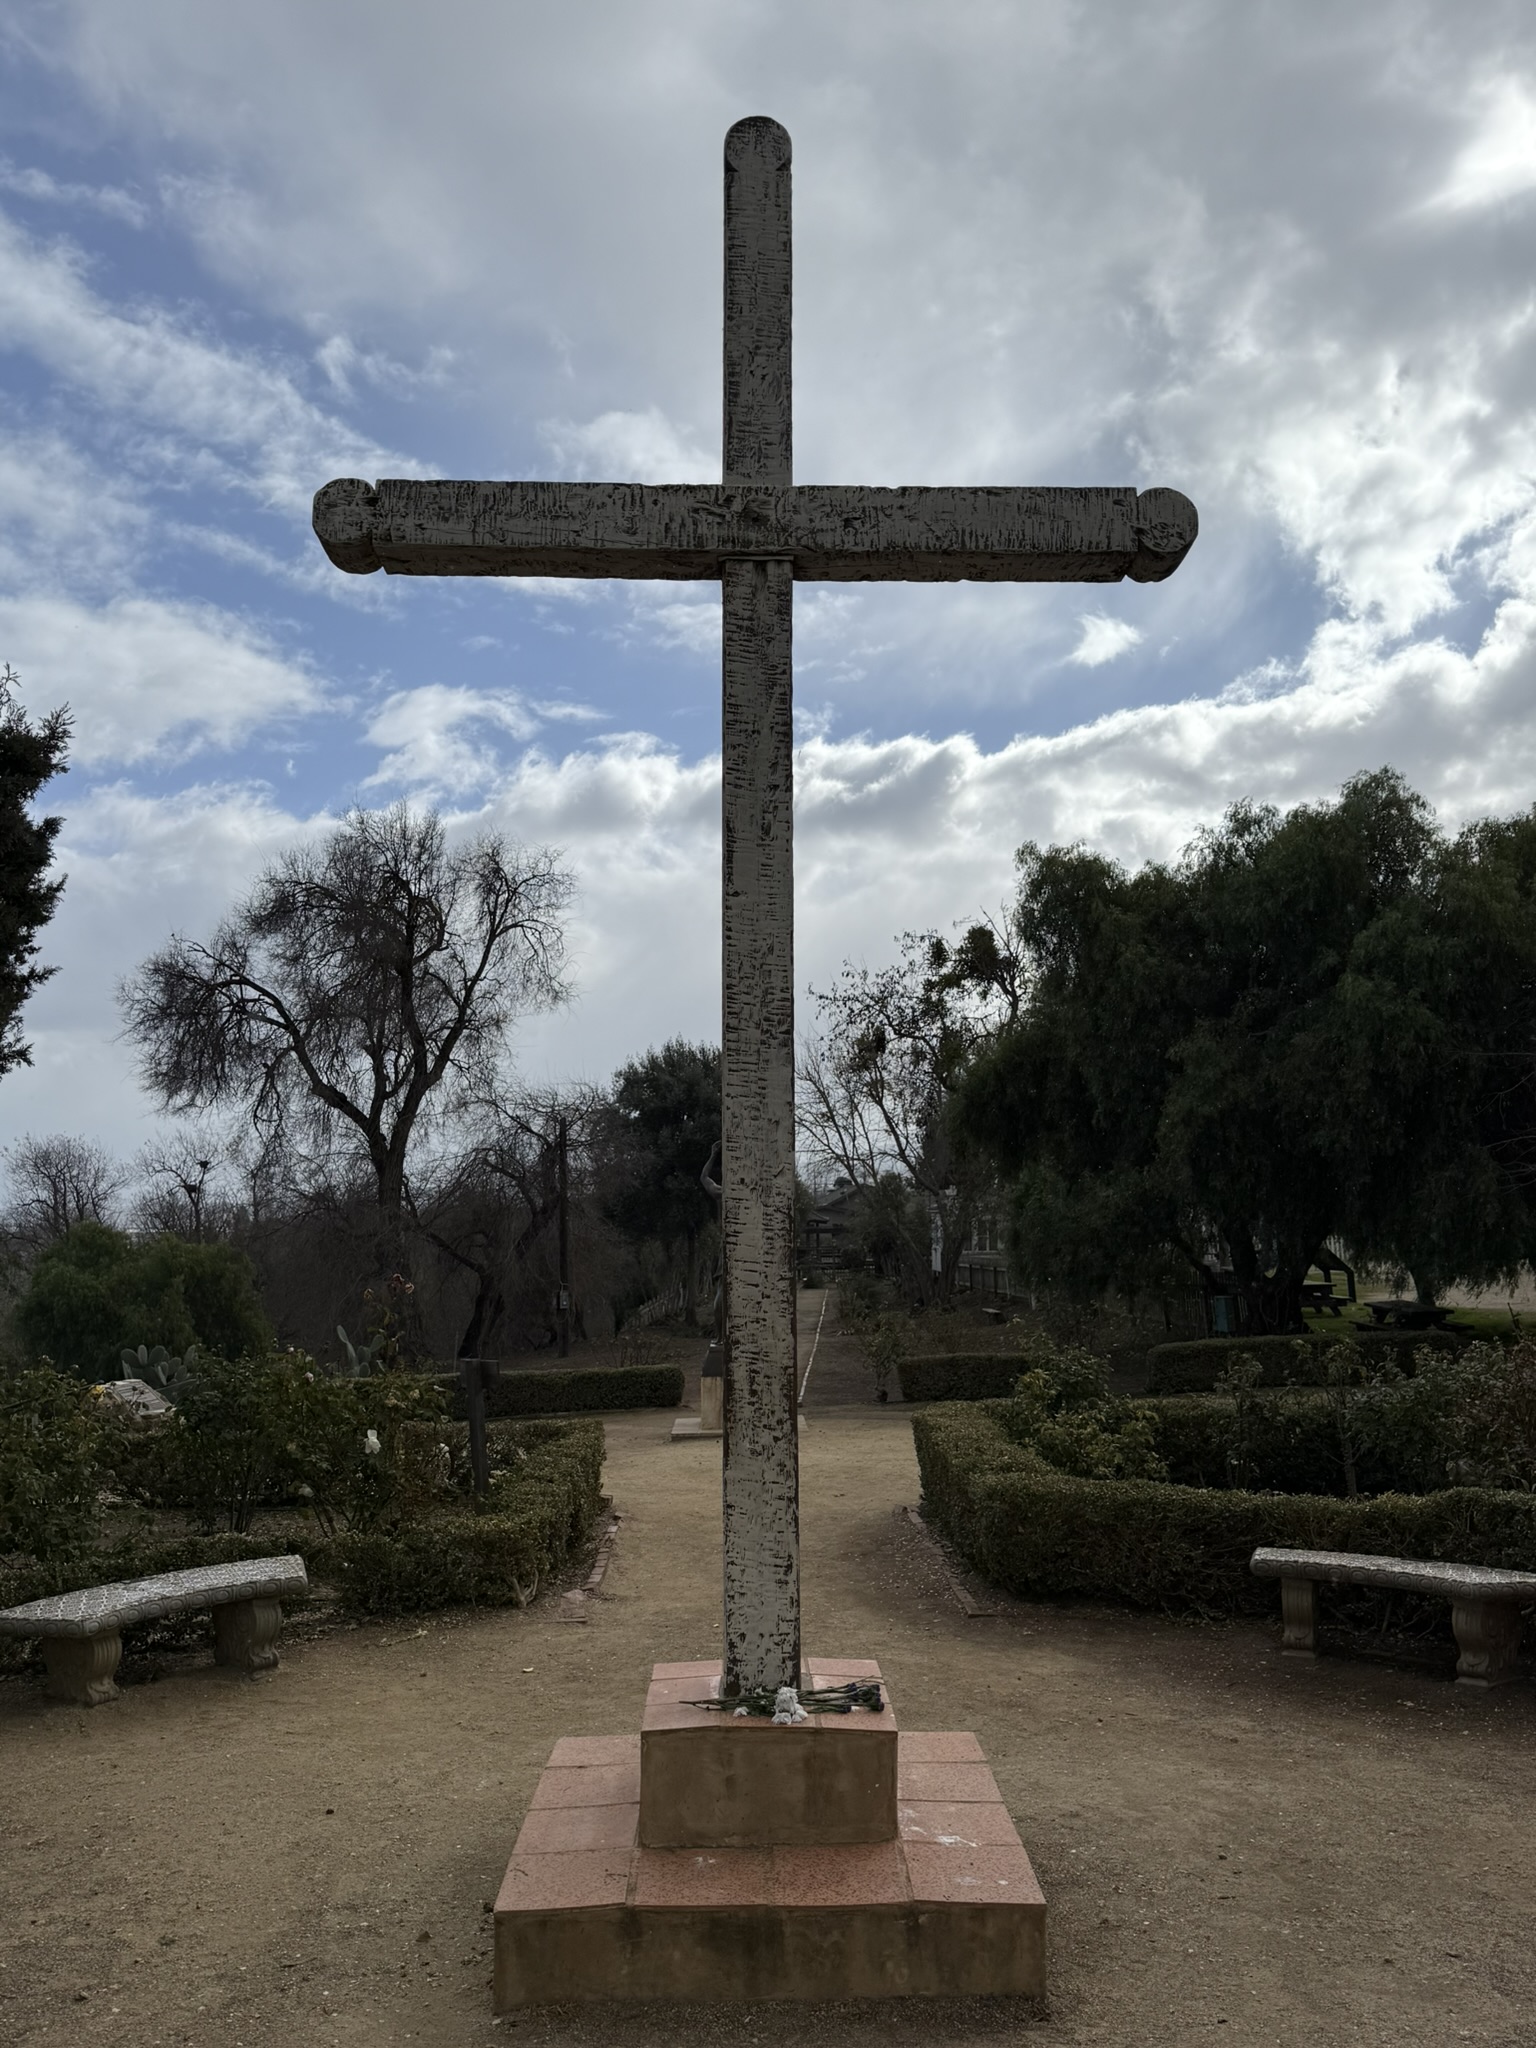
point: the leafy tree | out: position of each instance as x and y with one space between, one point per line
30 755
666 1123
1313 1026
358 977
96 1292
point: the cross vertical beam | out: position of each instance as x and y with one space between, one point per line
760 1478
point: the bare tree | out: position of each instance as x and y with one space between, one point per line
491 1205
182 1190
358 976
873 1093
57 1182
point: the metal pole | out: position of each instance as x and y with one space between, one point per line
759 1450
472 1376
563 1199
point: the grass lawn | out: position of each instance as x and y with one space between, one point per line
1481 1322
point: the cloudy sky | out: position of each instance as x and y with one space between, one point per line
1278 256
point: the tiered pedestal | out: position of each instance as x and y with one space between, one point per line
711 1858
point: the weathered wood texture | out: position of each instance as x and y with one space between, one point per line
757 436
758 533
760 1447
829 533
760 1451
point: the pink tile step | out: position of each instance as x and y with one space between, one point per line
950 1906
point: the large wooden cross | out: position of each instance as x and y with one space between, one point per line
758 533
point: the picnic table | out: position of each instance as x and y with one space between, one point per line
1324 1299
1410 1315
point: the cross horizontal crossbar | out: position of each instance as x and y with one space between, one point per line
829 533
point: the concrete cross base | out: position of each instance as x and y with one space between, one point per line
946 1905
709 1780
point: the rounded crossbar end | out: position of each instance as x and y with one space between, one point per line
343 522
758 139
1166 528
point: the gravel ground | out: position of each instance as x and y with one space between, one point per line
1230 1849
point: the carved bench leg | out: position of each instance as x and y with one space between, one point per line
245 1634
1488 1636
1298 1610
80 1668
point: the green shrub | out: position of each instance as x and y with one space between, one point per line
97 1292
1465 1417
48 1464
258 1433
581 1390
362 1453
1286 1441
1061 1408
968 1376
1044 1534
225 1449
539 1514
1193 1367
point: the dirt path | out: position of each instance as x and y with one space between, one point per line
1230 1850
834 1370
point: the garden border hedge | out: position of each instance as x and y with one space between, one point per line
576 1390
1193 1365
963 1376
487 1557
1042 1534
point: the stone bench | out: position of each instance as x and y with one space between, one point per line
1485 1604
81 1633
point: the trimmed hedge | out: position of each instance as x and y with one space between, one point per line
583 1390
1292 1441
540 1513
1195 1365
967 1376
538 1516
1041 1534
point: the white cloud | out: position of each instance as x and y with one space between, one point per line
1103 639
1278 259
233 417
890 834
430 733
656 613
628 447
27 182
67 520
148 679
1499 161
346 365
138 868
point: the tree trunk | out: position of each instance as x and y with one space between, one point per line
1273 1300
690 1281
483 1317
